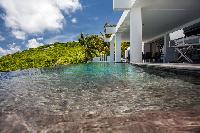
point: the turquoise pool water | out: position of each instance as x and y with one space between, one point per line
112 89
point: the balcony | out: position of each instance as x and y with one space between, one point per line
107 39
110 30
122 4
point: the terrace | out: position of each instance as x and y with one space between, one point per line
156 30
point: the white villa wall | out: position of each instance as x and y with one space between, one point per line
148 24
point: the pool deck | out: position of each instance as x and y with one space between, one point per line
179 68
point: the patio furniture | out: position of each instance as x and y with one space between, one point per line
184 46
157 57
148 57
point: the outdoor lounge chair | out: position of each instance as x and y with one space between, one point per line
184 45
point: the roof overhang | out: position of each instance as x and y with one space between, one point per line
160 17
123 4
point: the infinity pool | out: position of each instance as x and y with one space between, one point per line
89 91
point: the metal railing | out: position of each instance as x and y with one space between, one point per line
186 41
184 45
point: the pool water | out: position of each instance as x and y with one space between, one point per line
105 89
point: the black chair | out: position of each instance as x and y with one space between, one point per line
157 57
148 56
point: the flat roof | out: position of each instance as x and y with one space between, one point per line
160 17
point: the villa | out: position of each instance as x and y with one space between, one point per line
57 88
159 31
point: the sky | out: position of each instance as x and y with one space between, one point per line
28 24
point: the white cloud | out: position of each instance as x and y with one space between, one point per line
19 34
40 38
62 38
33 43
12 48
2 38
36 16
74 20
68 5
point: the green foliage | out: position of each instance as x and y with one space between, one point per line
94 46
56 54
108 35
124 47
44 56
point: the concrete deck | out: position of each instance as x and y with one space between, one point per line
178 68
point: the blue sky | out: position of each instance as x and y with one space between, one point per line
24 25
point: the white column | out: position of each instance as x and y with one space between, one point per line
112 47
135 35
126 54
100 57
118 48
169 53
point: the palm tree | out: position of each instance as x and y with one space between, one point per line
94 45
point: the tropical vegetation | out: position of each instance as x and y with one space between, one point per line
56 54
124 46
85 49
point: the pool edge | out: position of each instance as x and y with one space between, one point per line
179 69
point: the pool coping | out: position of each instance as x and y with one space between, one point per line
177 68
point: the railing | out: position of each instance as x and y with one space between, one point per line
186 41
187 48
102 58
110 30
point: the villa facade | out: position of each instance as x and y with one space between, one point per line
158 30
